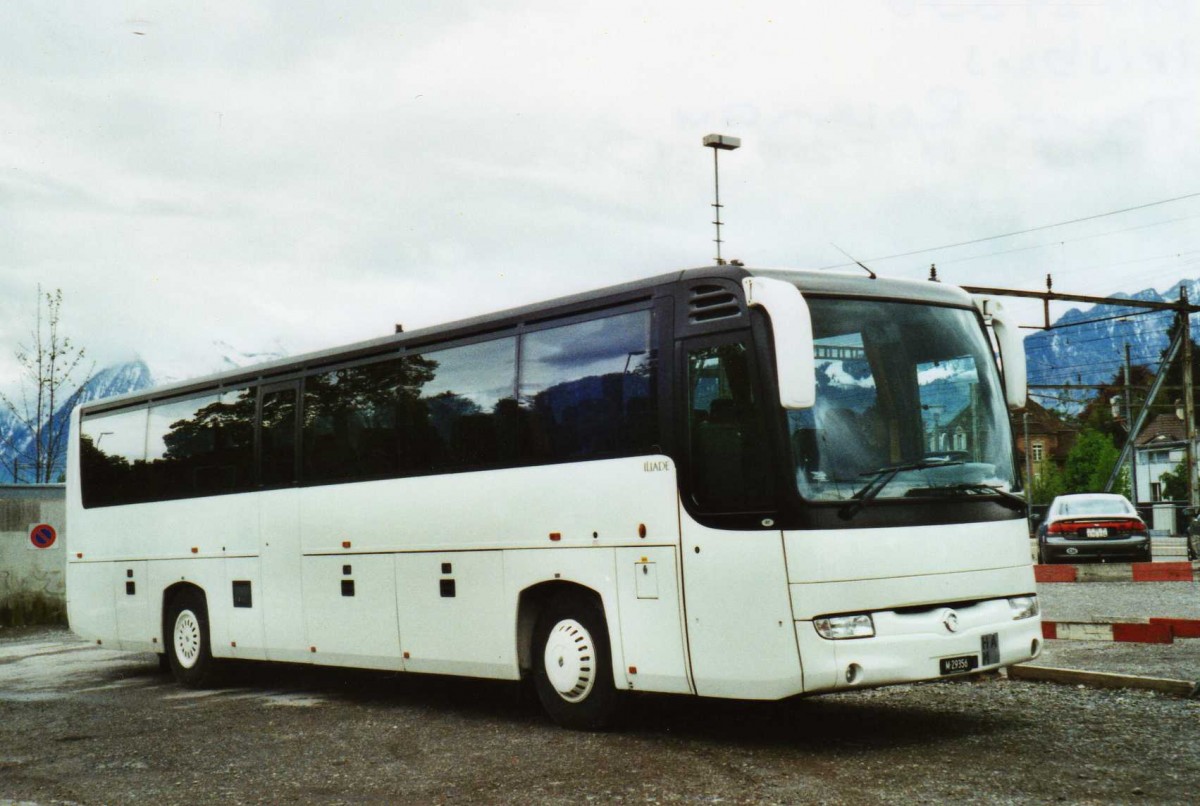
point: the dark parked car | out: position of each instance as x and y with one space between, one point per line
1092 526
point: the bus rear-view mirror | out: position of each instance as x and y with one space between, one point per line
791 329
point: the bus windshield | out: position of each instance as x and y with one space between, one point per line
908 405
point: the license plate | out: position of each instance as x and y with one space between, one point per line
1097 531
963 663
989 647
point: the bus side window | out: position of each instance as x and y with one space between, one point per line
277 434
730 469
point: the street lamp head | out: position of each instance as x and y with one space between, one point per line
722 141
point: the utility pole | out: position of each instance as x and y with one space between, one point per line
1189 405
1028 475
1133 489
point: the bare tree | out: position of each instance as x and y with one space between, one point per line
49 363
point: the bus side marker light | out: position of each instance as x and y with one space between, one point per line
556 536
312 649
406 656
233 643
633 670
641 530
345 544
195 550
79 555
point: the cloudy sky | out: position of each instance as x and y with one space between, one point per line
294 175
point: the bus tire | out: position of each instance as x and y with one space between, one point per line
189 650
572 664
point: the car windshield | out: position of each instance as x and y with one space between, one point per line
908 405
1094 506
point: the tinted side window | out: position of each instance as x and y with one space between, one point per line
588 389
201 446
350 422
112 458
277 437
466 414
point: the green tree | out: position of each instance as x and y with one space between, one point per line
1050 482
1090 463
1174 483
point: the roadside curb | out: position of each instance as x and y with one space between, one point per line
1176 688
1153 631
1119 572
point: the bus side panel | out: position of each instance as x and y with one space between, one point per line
651 627
91 611
282 571
350 611
454 616
137 607
739 614
245 614
496 509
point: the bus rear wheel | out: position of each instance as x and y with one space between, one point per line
189 651
573 665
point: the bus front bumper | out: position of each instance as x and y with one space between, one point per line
927 644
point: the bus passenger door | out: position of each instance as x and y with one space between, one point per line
741 637
279 522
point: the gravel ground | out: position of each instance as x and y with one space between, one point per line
81 724
1118 601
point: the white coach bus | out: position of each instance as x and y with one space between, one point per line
719 482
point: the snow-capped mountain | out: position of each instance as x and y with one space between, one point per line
1092 352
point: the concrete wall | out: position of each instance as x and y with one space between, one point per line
32 580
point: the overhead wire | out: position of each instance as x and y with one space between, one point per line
1041 228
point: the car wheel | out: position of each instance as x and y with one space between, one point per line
189 651
573 665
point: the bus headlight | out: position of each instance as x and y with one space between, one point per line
835 627
1023 607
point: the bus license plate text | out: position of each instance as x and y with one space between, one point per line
963 663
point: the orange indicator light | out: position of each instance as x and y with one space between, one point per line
641 530
633 670
195 550
345 544
556 536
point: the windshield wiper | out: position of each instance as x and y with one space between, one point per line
1010 500
881 478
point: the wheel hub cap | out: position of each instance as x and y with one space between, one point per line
187 639
570 660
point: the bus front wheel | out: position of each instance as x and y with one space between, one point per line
189 652
573 665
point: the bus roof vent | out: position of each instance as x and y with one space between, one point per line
711 302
